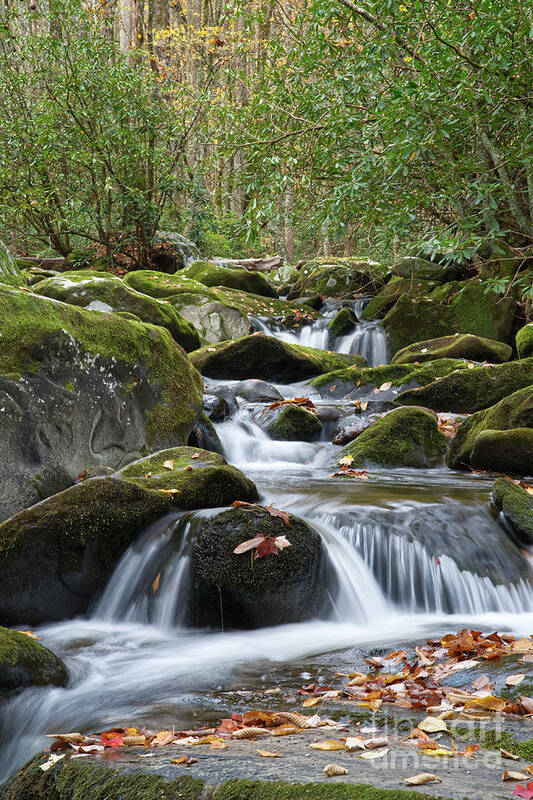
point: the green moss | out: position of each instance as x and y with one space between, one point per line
28 321
513 412
79 780
384 300
412 267
196 478
338 277
10 273
470 310
70 386
496 740
295 424
517 507
524 341
267 358
468 391
343 322
26 662
475 348
108 293
406 437
217 275
397 374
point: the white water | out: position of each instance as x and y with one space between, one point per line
403 570
368 338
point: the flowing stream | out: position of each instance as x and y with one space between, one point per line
413 553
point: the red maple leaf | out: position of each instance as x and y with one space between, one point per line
524 791
267 547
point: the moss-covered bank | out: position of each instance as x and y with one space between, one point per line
26 662
231 277
465 345
516 504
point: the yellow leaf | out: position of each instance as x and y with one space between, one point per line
438 752
490 702
311 701
421 779
375 753
328 744
266 754
432 725
169 464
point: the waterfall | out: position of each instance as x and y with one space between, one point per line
368 338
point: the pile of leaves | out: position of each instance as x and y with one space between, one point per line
303 402
347 472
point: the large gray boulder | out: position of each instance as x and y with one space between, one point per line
83 391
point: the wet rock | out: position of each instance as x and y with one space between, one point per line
338 277
387 296
57 555
194 478
470 390
460 308
354 428
216 407
413 267
524 341
104 292
516 505
366 383
204 435
474 348
267 358
313 301
10 274
229 591
342 323
257 391
407 437
292 423
26 662
499 438
231 277
81 390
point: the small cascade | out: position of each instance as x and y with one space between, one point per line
368 338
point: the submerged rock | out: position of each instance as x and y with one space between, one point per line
407 437
470 390
81 390
516 505
461 308
231 277
57 555
267 358
26 662
231 592
292 423
193 478
499 438
524 341
465 345
104 292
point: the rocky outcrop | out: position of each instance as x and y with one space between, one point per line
516 506
499 438
104 292
83 391
26 662
231 277
292 423
467 391
465 345
338 277
342 323
273 590
407 437
267 358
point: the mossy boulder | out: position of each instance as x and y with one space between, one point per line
56 556
407 437
267 358
173 251
10 274
465 345
81 390
470 390
26 662
193 478
362 382
516 505
338 277
415 268
524 341
218 313
386 297
231 277
273 590
292 423
468 310
342 323
499 438
104 292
